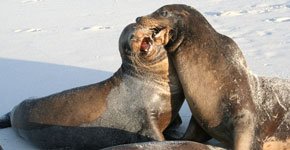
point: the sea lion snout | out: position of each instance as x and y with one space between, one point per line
159 34
142 19
167 29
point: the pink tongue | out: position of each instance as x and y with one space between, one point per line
145 44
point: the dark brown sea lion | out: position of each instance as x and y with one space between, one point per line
165 145
136 104
230 103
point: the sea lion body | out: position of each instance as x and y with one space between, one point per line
135 105
271 96
229 102
165 145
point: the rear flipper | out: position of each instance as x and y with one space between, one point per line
5 121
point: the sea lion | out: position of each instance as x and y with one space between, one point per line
1 147
229 102
165 145
136 104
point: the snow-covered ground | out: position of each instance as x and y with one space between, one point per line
51 45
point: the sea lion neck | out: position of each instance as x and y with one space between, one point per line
156 65
158 72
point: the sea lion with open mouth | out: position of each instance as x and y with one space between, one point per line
230 103
136 104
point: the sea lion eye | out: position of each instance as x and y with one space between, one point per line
164 13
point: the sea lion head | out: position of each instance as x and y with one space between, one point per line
140 53
171 25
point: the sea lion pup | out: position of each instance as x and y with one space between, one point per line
136 104
226 99
165 145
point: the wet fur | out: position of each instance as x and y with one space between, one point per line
135 105
229 102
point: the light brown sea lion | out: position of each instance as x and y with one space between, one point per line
136 104
229 102
165 145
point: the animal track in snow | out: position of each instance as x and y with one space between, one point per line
270 54
213 13
255 9
264 33
260 9
226 13
96 28
28 30
279 19
272 7
31 1
233 13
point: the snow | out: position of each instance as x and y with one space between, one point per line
52 45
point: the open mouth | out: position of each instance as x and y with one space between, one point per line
146 44
158 36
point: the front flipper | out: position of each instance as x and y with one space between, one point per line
172 131
195 133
